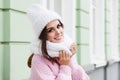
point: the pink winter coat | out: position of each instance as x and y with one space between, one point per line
43 69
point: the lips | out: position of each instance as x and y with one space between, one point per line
59 38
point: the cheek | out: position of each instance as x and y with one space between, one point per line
50 37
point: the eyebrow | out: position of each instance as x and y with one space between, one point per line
49 28
52 27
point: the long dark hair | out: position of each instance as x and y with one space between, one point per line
43 38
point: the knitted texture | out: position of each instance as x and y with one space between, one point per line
52 48
40 17
43 69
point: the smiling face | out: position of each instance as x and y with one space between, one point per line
55 31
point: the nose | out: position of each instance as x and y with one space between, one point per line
57 31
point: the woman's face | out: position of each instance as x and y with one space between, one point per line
55 31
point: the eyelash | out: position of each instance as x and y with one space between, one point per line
49 30
58 26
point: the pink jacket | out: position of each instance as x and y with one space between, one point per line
43 69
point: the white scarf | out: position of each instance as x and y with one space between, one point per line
52 48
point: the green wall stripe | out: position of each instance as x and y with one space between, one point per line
106 46
80 26
6 37
78 45
6 61
6 25
6 3
78 54
119 26
78 18
77 3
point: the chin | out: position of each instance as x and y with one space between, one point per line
58 41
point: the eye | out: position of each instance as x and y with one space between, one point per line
49 30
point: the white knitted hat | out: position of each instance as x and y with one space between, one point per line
40 17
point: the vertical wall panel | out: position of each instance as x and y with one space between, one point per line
6 61
1 3
24 3
78 36
82 28
15 34
108 28
1 24
108 51
18 61
1 62
13 4
119 29
108 40
85 19
84 34
6 26
13 58
107 31
78 18
20 27
108 17
15 26
85 5
84 59
69 19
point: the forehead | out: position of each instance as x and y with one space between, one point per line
53 23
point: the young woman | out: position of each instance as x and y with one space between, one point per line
53 55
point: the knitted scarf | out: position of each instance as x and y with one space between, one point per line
52 48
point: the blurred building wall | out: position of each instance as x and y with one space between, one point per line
93 24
